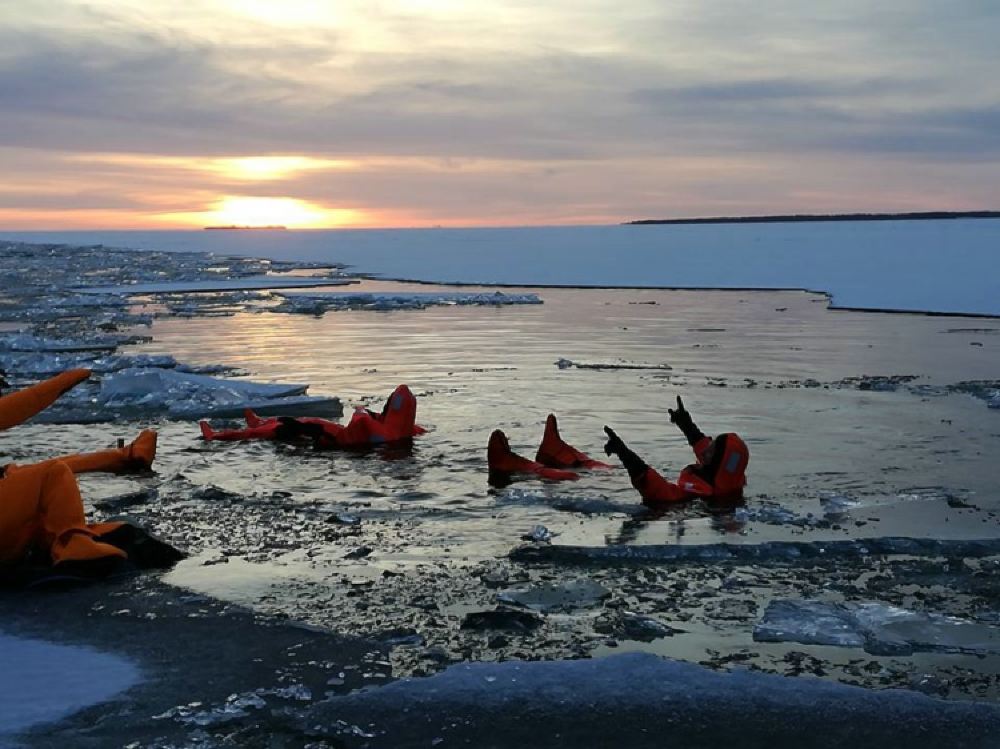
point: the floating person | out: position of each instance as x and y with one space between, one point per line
553 460
44 534
397 422
720 472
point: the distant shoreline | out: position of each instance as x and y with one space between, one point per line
276 227
809 217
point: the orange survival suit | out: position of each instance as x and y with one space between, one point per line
554 459
720 470
40 504
396 422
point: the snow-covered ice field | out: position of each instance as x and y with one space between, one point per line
933 266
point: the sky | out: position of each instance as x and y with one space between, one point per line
396 113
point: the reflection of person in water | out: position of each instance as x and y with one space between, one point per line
719 473
396 423
41 511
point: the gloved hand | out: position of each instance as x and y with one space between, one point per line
680 415
614 444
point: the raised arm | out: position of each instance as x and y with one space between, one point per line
20 406
695 437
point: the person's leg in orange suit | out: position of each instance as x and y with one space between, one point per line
137 456
41 505
18 407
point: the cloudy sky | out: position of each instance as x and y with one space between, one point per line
175 114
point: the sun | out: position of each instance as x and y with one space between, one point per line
262 168
288 212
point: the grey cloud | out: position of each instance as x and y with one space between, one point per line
162 98
70 200
161 93
769 90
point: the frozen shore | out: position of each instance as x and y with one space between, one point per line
946 266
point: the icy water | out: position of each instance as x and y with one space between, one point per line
403 547
830 460
738 358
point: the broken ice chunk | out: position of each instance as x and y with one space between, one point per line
547 597
140 393
879 628
539 533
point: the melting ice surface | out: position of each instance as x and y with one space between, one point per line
879 628
41 682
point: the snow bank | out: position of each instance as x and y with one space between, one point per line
879 628
41 682
640 700
939 266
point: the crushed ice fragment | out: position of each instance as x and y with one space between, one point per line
539 534
546 597
627 625
344 518
298 692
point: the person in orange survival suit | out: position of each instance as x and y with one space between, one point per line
720 471
41 511
555 459
396 422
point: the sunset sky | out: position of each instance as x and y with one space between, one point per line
309 113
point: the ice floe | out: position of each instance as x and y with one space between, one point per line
640 700
41 682
569 363
33 343
146 393
317 304
31 365
936 266
877 627
778 552
250 283
560 596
